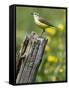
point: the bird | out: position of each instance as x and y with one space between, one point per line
41 22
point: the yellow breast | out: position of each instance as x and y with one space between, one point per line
40 24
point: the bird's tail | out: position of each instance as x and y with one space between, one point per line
54 27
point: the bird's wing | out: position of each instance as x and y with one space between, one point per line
45 21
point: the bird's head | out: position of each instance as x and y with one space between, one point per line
35 13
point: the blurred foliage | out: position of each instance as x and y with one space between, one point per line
53 66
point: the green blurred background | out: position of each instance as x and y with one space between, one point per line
53 65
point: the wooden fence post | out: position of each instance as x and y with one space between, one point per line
29 58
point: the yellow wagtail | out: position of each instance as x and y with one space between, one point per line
41 22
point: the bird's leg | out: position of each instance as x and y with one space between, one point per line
42 32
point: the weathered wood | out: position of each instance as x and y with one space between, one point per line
29 58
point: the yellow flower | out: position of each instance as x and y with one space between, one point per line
47 48
52 59
61 27
61 70
51 31
53 78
